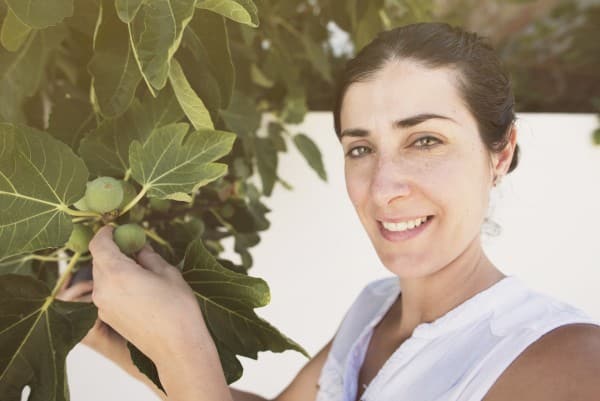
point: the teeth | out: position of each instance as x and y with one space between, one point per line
405 225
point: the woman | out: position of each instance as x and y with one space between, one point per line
425 117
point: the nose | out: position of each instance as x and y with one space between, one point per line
389 183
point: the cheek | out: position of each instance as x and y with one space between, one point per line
464 188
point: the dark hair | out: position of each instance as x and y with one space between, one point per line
483 83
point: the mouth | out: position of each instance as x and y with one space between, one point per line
403 234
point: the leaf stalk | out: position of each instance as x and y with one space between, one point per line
134 201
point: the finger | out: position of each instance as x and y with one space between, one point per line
102 244
65 283
76 291
151 260
105 253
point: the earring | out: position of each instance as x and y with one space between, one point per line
497 180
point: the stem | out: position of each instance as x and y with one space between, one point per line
287 26
79 213
158 239
80 219
222 221
43 258
127 175
62 279
134 201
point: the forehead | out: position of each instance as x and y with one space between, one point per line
403 89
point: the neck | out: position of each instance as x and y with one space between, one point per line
425 299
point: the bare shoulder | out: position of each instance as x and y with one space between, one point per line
563 364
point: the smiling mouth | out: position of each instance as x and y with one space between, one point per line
402 226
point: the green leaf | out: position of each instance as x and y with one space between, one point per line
208 39
295 107
173 164
266 159
145 365
276 131
311 153
127 9
156 33
241 116
106 149
36 334
39 177
115 75
202 80
20 75
24 265
189 101
227 300
259 78
14 32
41 14
232 368
242 11
70 119
21 264
317 56
369 24
596 136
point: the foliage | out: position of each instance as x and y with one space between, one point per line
171 96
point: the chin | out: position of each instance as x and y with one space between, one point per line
404 265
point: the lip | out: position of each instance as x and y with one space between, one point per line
396 236
400 219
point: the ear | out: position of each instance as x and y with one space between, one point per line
501 161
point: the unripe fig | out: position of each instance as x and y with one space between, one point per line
160 205
130 238
104 194
129 193
136 214
80 238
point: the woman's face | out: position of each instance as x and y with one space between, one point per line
412 149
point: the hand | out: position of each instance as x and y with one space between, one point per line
146 300
101 337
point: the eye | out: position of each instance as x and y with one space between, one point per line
353 153
427 139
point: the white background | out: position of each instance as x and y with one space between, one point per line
316 257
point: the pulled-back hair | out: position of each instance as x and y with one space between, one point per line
482 82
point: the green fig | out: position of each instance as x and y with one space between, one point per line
137 213
130 238
129 193
160 205
81 204
104 194
80 238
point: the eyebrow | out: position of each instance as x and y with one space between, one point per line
404 123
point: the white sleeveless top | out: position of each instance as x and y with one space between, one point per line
457 357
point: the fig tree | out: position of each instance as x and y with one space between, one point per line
130 238
80 238
104 194
160 205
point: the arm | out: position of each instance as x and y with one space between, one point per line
563 364
103 339
149 303
302 388
239 395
